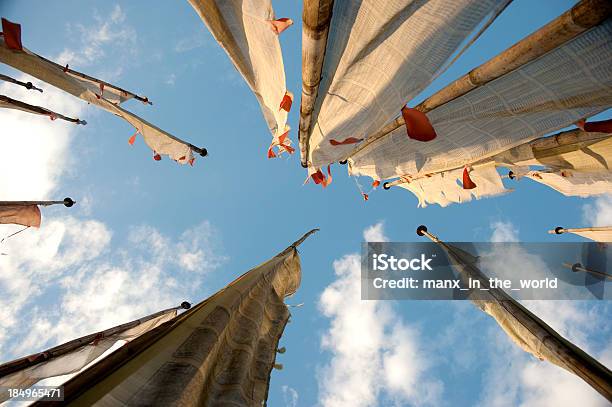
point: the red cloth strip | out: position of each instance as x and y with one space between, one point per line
279 25
319 178
467 181
12 35
350 140
132 139
603 126
286 103
418 126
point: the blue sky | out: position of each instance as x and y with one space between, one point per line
147 234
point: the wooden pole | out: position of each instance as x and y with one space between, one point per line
316 18
564 353
559 230
86 380
580 18
26 107
579 267
27 85
67 202
563 142
143 99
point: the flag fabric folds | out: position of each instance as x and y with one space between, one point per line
380 54
74 355
248 31
99 94
220 352
25 215
444 188
574 183
544 95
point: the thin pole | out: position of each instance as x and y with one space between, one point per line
565 353
580 18
579 267
316 18
559 230
66 69
38 110
27 85
67 202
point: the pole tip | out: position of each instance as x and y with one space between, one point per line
68 202
386 186
185 305
558 230
343 162
511 175
203 152
304 165
576 267
421 230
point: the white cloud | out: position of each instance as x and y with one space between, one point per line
373 351
92 286
171 79
598 212
96 36
504 232
194 41
290 396
34 151
375 233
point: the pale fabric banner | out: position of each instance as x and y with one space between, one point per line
596 235
158 140
380 54
547 94
575 183
25 215
221 352
445 188
70 362
244 29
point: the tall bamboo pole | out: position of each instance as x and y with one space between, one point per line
562 142
580 18
506 310
85 381
316 18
